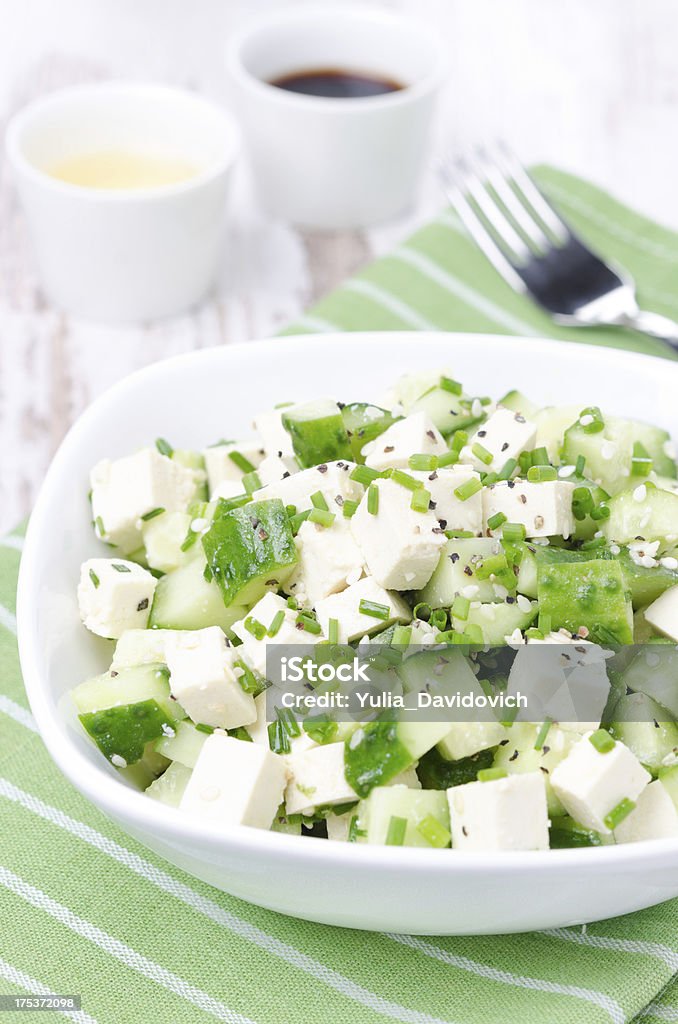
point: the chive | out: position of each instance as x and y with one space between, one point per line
301 517
482 453
490 774
540 457
241 462
420 500
308 623
544 623
94 578
460 607
459 439
320 729
164 447
276 623
395 835
374 609
447 459
617 814
491 566
256 628
291 510
322 518
402 636
247 679
579 465
467 489
459 534
593 544
641 463
507 469
225 505
207 574
399 476
333 631
364 475
292 603
354 833
201 727
251 482
438 618
540 474
602 741
497 520
524 462
120 568
513 532
542 734
582 502
152 514
349 508
422 611
434 832
594 420
425 463
318 501
372 499
99 524
189 540
600 512
453 386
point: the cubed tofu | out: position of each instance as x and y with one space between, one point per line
654 817
544 509
204 681
590 785
141 647
401 547
223 462
662 614
163 537
329 561
228 489
413 435
235 783
467 738
275 440
114 596
503 435
276 467
354 623
501 814
332 479
126 489
253 650
258 729
317 779
451 511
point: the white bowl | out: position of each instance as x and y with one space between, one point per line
191 400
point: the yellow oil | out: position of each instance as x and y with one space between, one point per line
119 169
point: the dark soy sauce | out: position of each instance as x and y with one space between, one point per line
334 83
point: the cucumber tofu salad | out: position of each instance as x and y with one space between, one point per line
436 521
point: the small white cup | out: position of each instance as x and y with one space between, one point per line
336 163
121 255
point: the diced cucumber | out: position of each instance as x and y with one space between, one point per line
519 754
609 452
468 738
566 834
249 550
455 572
516 401
644 511
552 422
449 411
184 599
653 672
669 780
363 424
657 443
421 671
498 620
588 594
643 632
379 751
646 583
148 768
532 557
140 647
127 686
637 722
164 536
318 432
425 812
437 772
184 746
169 788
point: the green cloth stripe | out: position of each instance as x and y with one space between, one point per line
255 964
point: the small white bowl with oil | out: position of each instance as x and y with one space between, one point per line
124 186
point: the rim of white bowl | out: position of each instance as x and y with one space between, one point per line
428 83
127 805
218 167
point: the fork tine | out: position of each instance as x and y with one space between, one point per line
506 235
523 216
530 194
478 231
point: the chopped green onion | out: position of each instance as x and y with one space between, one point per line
321 517
438 618
280 731
422 611
395 835
592 418
372 499
354 833
333 631
514 532
251 482
152 514
542 734
600 512
524 462
420 500
434 832
201 727
507 469
497 520
482 453
540 457
189 540
618 813
426 463
534 634
276 623
447 458
491 566
349 508
582 502
120 568
399 476
318 501
641 463
593 544
241 462
490 774
374 609
460 607
247 679
225 505
164 447
364 475
296 521
99 525
540 474
459 534
402 636
453 386
94 578
468 489
292 603
579 465
602 741
473 634
256 628
309 624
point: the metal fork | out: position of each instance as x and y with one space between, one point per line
537 253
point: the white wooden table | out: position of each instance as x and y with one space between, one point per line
592 87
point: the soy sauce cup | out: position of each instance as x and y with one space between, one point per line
133 253
336 162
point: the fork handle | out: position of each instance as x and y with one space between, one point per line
654 324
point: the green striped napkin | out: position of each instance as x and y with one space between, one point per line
85 909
